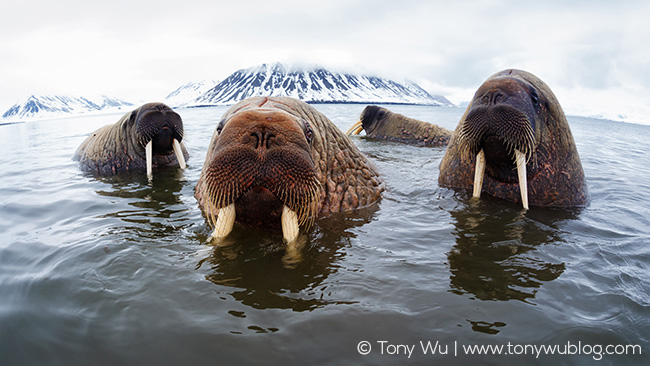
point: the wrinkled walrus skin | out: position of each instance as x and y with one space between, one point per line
277 161
121 147
515 116
382 124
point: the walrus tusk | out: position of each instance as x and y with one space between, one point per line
179 154
479 173
149 153
225 222
355 129
290 227
521 172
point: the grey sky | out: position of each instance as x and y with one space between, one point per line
589 52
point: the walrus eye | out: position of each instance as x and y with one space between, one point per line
309 134
533 96
220 127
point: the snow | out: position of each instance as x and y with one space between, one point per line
188 92
314 84
613 104
55 106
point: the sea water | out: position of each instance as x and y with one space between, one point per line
117 271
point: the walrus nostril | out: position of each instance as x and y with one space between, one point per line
257 138
269 137
493 97
262 140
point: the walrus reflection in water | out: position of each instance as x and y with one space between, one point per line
150 136
382 124
278 162
514 143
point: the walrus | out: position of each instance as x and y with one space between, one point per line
382 124
514 143
147 137
277 162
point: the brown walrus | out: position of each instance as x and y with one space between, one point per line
516 130
382 124
148 137
278 160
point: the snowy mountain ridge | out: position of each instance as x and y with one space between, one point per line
310 84
52 106
188 92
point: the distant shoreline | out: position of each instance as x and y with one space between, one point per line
328 102
110 112
11 123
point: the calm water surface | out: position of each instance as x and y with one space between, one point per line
115 271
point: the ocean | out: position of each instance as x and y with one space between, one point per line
117 271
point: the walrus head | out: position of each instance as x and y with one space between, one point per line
517 134
371 117
261 171
502 128
278 162
159 131
146 137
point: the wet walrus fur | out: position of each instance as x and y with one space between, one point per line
122 146
279 162
514 126
382 124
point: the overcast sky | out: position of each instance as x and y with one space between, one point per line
593 54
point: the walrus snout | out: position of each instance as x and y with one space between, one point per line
163 141
262 174
515 123
160 131
261 139
142 138
500 131
509 124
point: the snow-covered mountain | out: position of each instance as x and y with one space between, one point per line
188 93
314 84
51 106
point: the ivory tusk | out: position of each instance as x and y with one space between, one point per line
179 154
148 149
225 222
355 129
290 227
479 173
521 172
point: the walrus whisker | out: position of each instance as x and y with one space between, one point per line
211 212
277 181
